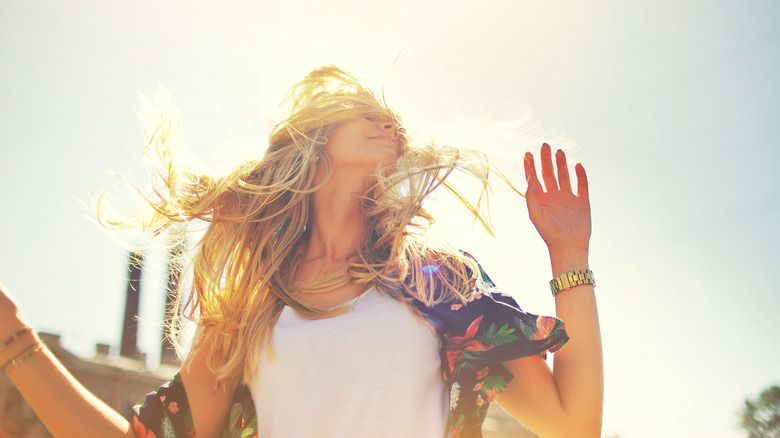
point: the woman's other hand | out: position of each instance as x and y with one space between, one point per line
10 318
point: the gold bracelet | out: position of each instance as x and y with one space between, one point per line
14 337
21 357
571 279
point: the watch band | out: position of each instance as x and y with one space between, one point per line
571 279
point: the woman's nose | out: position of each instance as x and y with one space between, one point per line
386 124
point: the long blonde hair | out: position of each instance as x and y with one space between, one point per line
245 264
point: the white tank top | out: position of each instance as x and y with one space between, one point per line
371 372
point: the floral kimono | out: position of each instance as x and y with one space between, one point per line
474 338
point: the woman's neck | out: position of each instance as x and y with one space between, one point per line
337 221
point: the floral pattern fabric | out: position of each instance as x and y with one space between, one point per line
166 414
474 339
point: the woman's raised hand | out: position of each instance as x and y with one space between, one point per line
561 217
563 220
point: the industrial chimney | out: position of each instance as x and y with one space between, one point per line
129 346
175 255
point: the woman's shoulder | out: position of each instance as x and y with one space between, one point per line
489 315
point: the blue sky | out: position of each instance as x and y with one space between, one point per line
671 106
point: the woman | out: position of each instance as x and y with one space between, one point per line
320 303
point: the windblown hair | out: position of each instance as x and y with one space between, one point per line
244 266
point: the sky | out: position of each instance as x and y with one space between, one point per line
672 108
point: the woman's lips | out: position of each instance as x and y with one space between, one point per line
387 138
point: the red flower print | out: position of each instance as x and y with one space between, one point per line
456 432
460 344
491 394
140 429
483 373
456 306
173 407
480 401
544 326
479 386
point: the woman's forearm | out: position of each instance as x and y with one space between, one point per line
65 407
578 367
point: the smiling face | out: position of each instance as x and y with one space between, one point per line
363 143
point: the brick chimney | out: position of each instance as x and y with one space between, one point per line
129 346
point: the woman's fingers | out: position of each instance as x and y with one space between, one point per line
548 174
563 171
528 165
530 169
563 181
534 187
582 181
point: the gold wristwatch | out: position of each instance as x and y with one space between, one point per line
571 279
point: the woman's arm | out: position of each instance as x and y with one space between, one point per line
567 401
210 406
62 403
67 409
